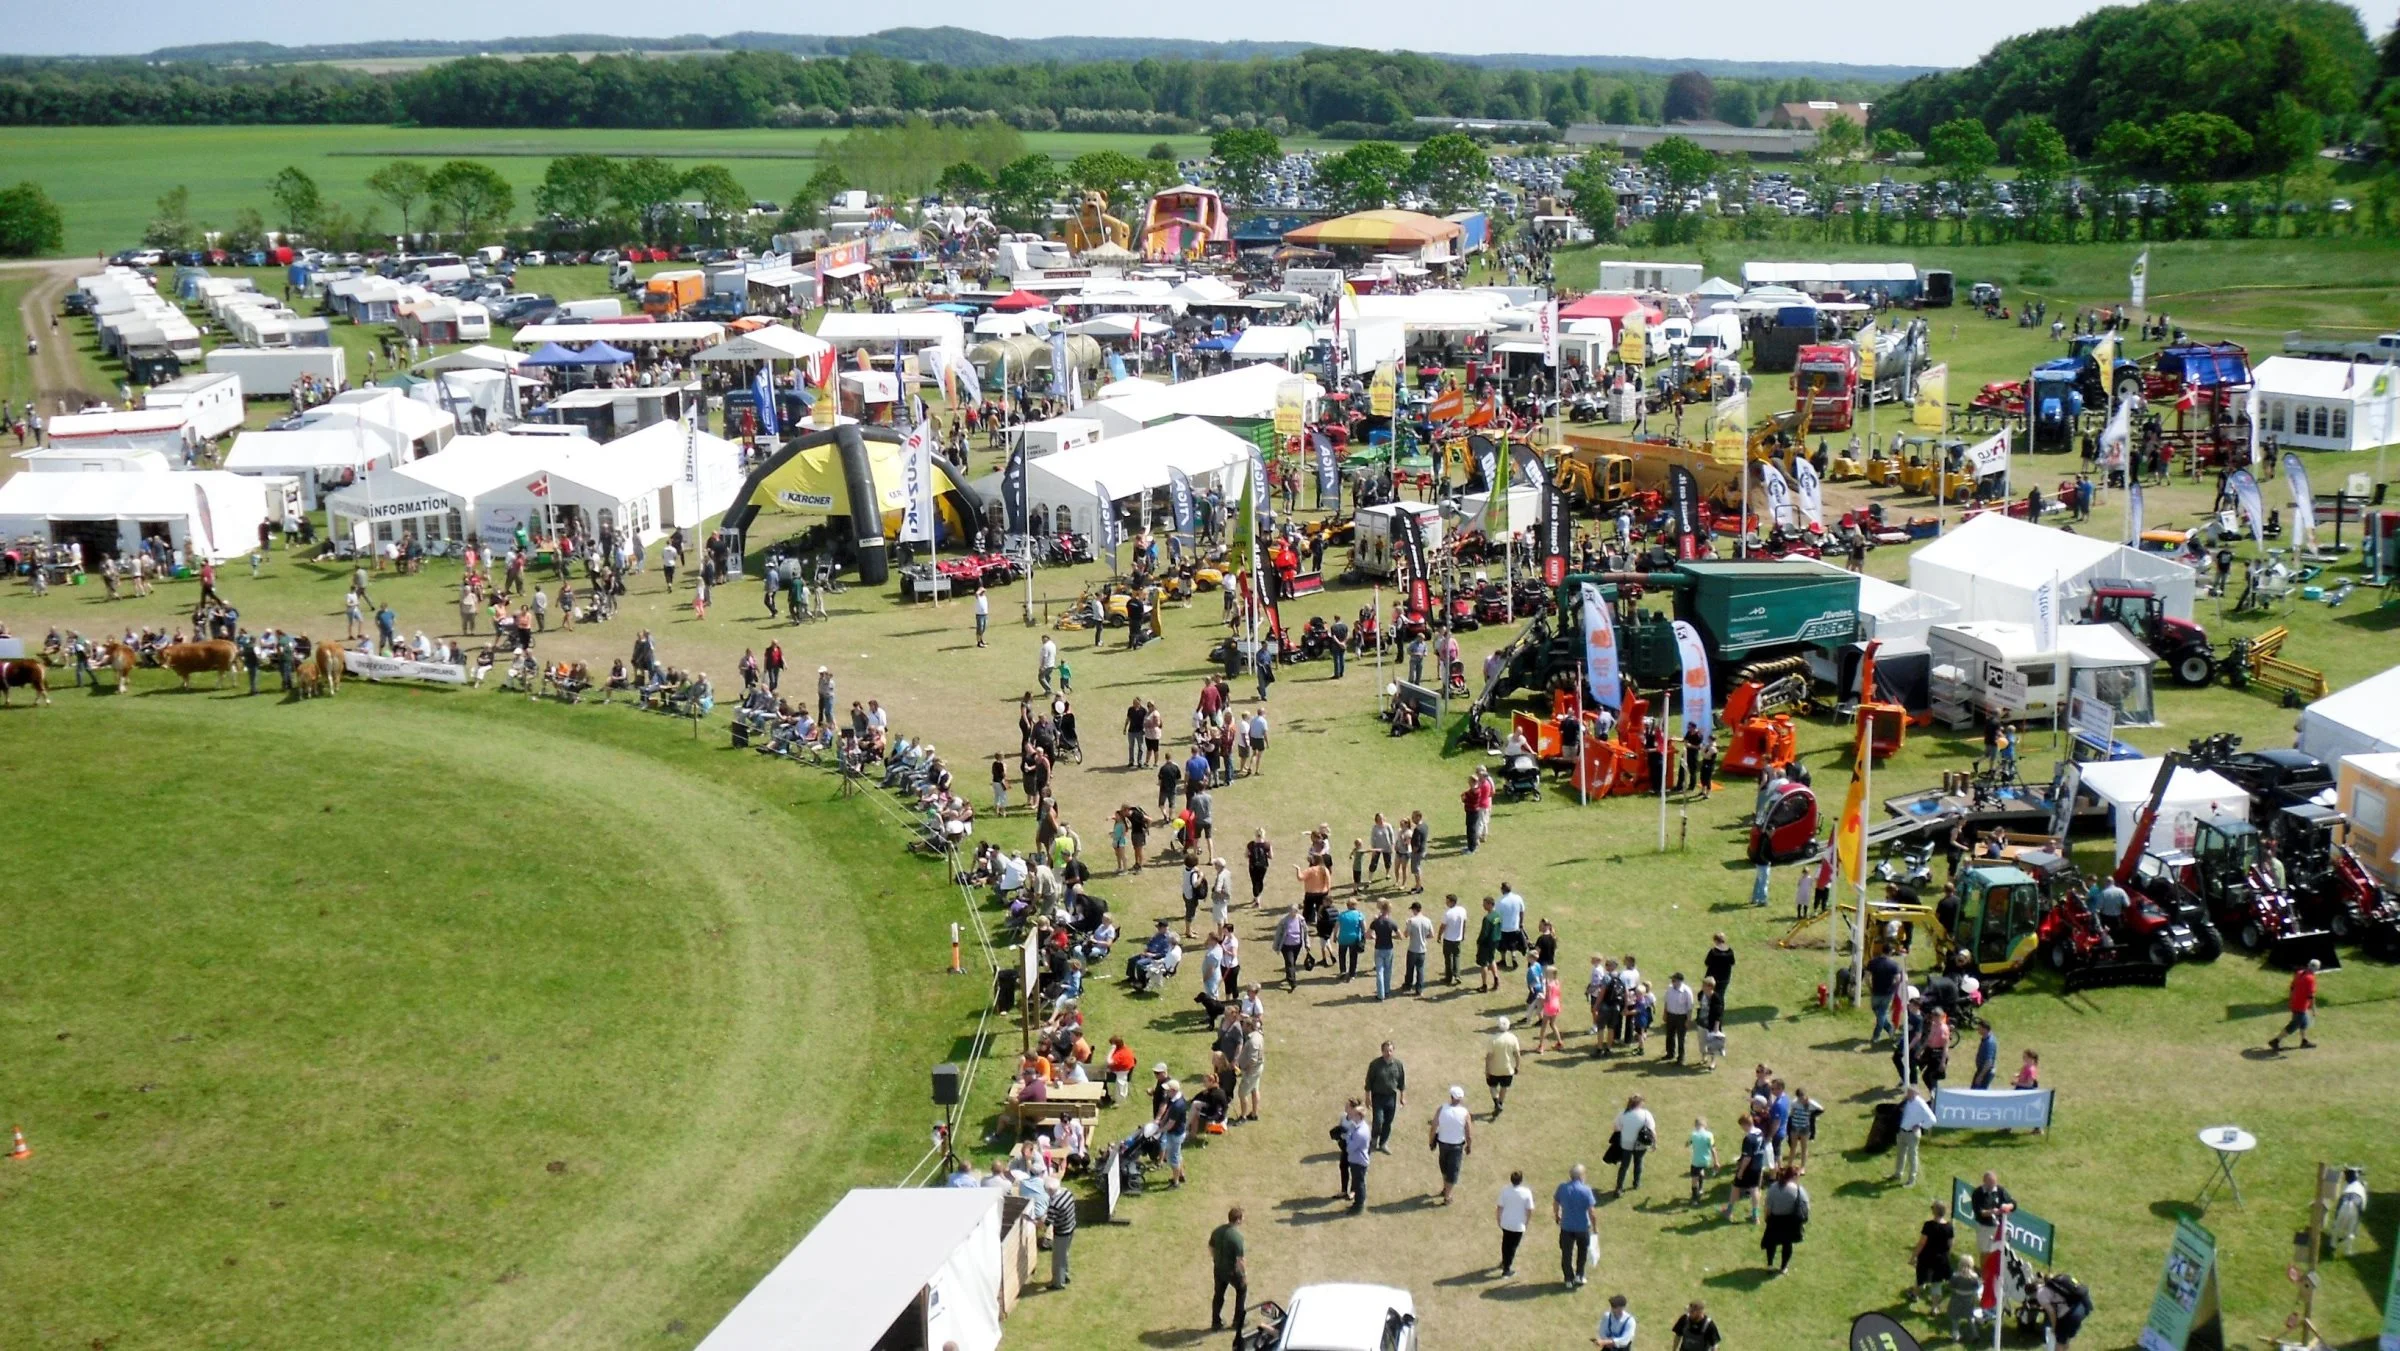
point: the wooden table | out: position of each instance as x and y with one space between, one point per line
1065 1100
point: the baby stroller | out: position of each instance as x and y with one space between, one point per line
1068 742
1521 777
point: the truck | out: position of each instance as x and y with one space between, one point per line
1825 385
671 293
1374 547
1775 339
2381 347
1941 289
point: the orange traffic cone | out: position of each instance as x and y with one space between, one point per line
22 1149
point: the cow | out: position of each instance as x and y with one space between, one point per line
117 656
26 672
189 659
327 659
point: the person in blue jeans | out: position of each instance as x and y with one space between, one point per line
1356 1151
1385 929
1572 1205
1350 935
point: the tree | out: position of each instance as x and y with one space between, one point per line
827 183
1022 190
1683 165
575 189
2120 153
471 196
297 201
2195 147
1245 156
1964 150
1451 169
644 188
1108 172
1691 97
962 182
1595 198
1365 176
724 202
1737 105
1891 143
30 223
172 227
1160 151
248 231
2287 135
401 183
1623 108
2042 165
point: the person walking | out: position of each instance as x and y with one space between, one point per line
1987 1058
1135 715
1062 1235
1420 938
1695 1330
1259 854
1787 1218
1385 931
1572 1206
1514 1212
1046 666
1350 936
1451 1136
1636 1133
1703 1142
1229 1259
1358 1152
1454 934
1500 1058
2303 1004
1487 948
1387 1093
1615 1332
1677 1004
983 613
1937 1239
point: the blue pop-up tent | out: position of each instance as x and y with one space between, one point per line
598 354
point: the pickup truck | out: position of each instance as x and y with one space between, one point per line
2384 347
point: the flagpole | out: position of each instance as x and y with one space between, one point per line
1866 794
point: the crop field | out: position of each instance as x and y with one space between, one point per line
457 1018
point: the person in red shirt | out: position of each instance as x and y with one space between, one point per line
2304 1009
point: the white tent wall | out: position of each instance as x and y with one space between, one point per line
1892 612
2360 720
314 455
1134 466
204 514
2107 663
2369 795
878 1255
1992 566
2192 796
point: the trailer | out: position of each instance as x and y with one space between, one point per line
270 372
211 403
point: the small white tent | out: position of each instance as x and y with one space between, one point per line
1067 481
2193 796
1992 566
1892 612
1243 393
926 1259
2360 720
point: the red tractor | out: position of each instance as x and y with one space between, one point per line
2135 948
2226 869
2180 643
2327 877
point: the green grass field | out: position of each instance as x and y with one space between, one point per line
711 989
108 179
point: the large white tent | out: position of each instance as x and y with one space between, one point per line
774 342
927 1257
1241 394
2360 720
2325 405
1991 567
1892 612
320 457
883 334
202 514
1134 466
2193 796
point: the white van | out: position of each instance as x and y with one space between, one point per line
1374 548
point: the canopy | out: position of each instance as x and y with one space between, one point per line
477 358
1717 288
1272 342
2107 663
1612 307
307 449
1376 230
1991 567
2360 720
1135 465
1245 393
1110 326
598 354
1019 300
879 1257
2193 796
693 331
208 514
775 342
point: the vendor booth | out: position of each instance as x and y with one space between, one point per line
1996 667
438 500
2360 720
1993 566
323 458
847 483
2309 404
2193 796
2106 663
207 514
898 1269
1063 489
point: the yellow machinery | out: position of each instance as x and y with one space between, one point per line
1845 468
1091 226
1602 471
1882 471
1916 475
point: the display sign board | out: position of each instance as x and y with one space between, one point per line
1992 1109
368 666
2027 1235
2183 1314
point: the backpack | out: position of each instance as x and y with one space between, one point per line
2073 1293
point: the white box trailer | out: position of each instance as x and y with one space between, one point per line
270 372
1374 548
1052 435
2002 664
572 311
211 401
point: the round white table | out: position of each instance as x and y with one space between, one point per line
2229 1143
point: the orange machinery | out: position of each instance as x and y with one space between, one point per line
1884 724
1759 734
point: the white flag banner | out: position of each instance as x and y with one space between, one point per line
2139 283
2252 400
1545 319
2304 500
916 475
2116 436
2045 615
1779 495
1812 493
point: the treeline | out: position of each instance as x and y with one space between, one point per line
1328 90
2245 61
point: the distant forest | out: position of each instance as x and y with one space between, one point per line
1329 91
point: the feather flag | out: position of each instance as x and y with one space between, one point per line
2133 512
2304 499
1812 492
1850 834
1699 704
2246 494
916 482
1600 651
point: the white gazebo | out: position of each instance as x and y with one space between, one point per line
2326 405
1994 566
1065 486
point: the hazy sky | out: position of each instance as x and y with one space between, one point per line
1868 31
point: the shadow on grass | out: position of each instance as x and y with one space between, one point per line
1865 1187
1761 1014
2238 1012
1844 1044
1748 1278
2175 1210
1177 1337
1517 1292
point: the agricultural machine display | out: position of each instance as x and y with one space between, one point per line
2226 869
2180 643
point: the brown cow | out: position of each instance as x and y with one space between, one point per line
119 657
327 659
189 659
27 672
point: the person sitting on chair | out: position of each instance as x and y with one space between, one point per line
1152 959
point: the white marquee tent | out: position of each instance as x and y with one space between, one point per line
1992 566
2360 720
928 1257
1243 393
202 514
2325 405
2193 796
1135 466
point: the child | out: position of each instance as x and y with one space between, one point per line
1066 675
1966 1300
1800 1128
1551 995
2029 1075
1358 864
1644 1006
1534 991
1749 1170
1704 1156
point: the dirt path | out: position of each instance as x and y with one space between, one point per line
57 377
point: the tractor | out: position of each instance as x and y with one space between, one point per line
2180 643
2079 942
2326 876
2226 869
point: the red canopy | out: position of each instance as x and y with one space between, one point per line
1611 307
1018 300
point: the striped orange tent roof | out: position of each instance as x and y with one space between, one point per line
1375 230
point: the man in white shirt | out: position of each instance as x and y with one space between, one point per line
1615 1332
1511 910
1048 665
1454 933
1420 936
1916 1118
1676 1004
1452 1135
1514 1212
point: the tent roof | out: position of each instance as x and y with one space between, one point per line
2103 645
1376 230
1271 342
1717 286
104 497
1019 300
1107 326
2371 708
470 466
846 1283
845 330
480 357
1139 462
305 448
1610 305
2308 378
2002 548
2128 782
682 330
1205 291
775 342
1243 392
125 422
